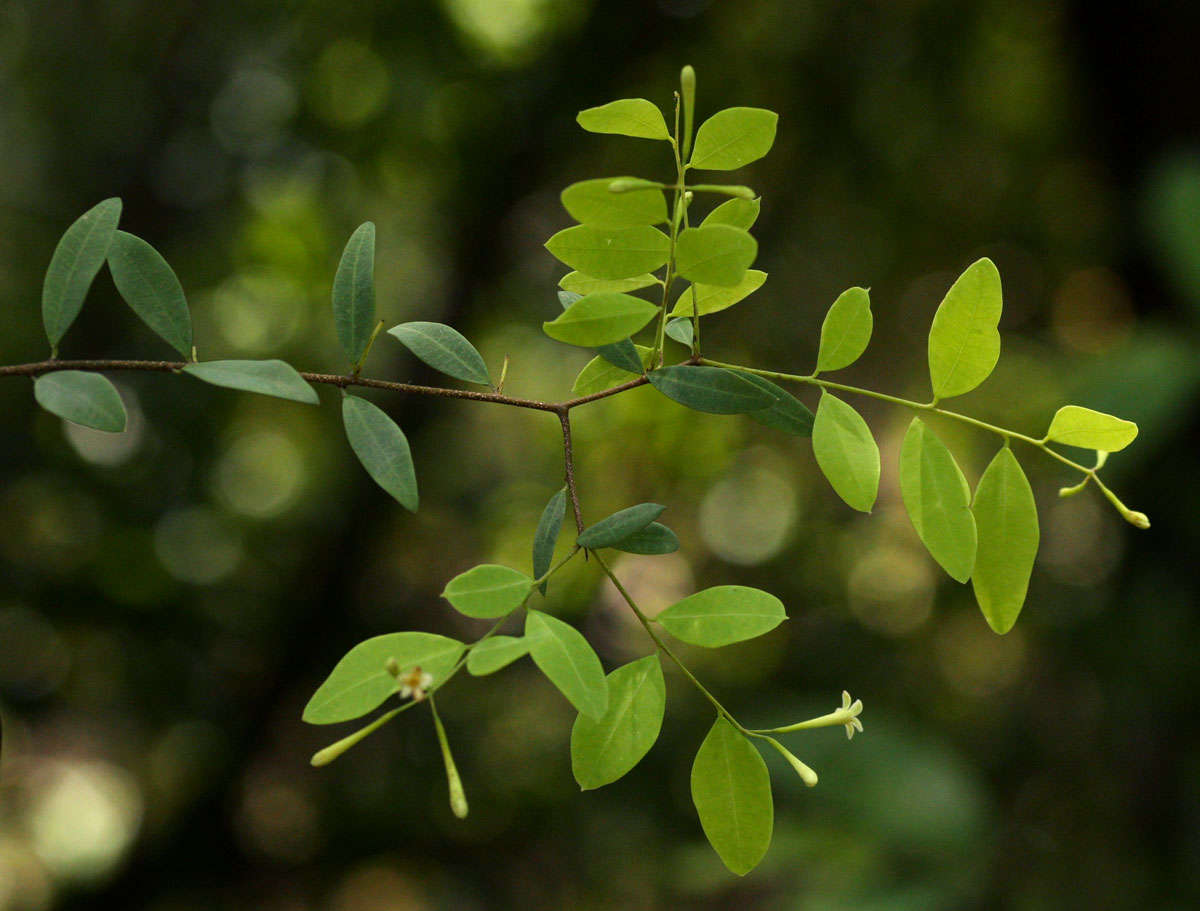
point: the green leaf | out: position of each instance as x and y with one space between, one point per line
1006 518
82 398
360 682
488 591
590 202
150 287
495 653
564 656
717 255
964 343
734 137
682 330
737 213
846 452
603 749
619 525
714 298
787 413
611 253
546 536
938 500
710 389
600 319
731 789
653 540
1074 425
598 374
624 355
354 293
846 330
272 377
584 284
77 258
382 449
634 117
444 349
723 615
458 798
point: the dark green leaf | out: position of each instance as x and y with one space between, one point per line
938 500
82 398
624 355
723 615
652 540
603 749
611 253
787 413
716 255
564 656
354 293
846 452
77 258
544 539
444 349
710 389
1006 518
619 525
634 117
590 202
734 137
150 287
274 378
682 330
488 591
731 789
601 319
382 449
598 374
495 653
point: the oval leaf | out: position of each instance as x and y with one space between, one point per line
354 293
546 536
737 213
619 525
584 284
488 591
82 398
787 413
564 656
150 287
705 299
964 343
710 389
1074 425
938 500
598 374
734 137
723 615
634 117
846 452
590 202
1006 519
382 449
274 378
444 349
652 540
603 749
611 253
846 330
77 258
682 330
624 355
717 255
495 653
600 319
731 789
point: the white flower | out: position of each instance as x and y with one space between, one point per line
414 683
850 712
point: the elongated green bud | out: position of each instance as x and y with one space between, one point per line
687 82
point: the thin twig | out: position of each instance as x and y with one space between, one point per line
564 418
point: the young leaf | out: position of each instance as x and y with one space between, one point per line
652 540
590 202
598 374
714 298
544 539
458 798
360 682
564 656
731 789
354 293
603 749
787 413
938 500
682 330
717 255
737 213
82 398
611 253
488 591
382 449
444 349
619 525
964 343
150 287
495 653
734 137
600 319
584 284
1006 519
846 452
1074 425
723 615
634 117
710 389
77 258
273 377
846 330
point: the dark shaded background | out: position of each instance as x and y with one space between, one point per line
171 597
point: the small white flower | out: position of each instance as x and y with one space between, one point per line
850 712
415 683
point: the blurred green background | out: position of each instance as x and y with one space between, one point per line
171 597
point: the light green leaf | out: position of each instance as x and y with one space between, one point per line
1007 522
354 293
734 137
964 343
546 536
713 298
360 682
603 749
1074 425
653 540
82 398
564 656
272 377
717 255
150 287
846 452
590 202
444 349
737 213
584 284
846 330
710 389
495 653
619 525
787 413
623 354
488 591
723 615
938 500
601 319
731 789
611 253
682 330
77 258
382 449
598 374
634 117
